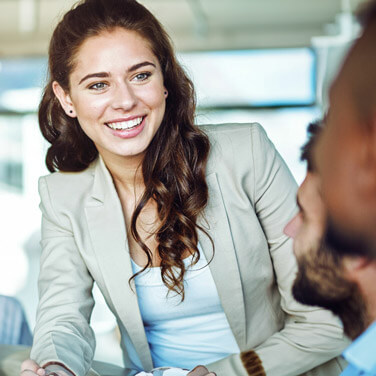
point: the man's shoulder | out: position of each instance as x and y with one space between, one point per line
361 354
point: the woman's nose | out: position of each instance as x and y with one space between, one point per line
124 97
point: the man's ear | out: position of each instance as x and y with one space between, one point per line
64 99
356 266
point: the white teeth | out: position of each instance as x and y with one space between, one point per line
125 124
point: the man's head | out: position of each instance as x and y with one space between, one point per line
346 160
321 275
346 151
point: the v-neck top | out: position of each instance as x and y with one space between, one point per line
184 333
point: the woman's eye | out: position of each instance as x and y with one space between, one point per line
98 86
142 76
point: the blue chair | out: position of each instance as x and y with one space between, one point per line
14 329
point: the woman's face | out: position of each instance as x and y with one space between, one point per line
116 93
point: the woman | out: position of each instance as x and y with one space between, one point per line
180 227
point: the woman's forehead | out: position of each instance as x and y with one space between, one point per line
118 46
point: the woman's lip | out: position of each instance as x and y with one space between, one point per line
128 133
124 119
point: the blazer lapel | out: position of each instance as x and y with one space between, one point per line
224 266
107 230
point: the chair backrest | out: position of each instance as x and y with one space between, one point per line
14 329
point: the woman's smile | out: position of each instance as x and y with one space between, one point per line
127 128
122 124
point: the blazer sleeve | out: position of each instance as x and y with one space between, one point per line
62 333
311 336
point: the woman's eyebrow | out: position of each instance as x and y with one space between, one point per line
105 74
140 65
99 74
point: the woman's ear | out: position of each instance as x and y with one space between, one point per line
64 99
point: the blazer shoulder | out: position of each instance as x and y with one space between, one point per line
216 130
243 135
232 142
67 188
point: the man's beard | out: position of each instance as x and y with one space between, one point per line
320 282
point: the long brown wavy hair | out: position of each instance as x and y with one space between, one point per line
175 161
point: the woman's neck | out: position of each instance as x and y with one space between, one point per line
126 173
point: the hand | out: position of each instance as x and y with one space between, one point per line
201 371
31 368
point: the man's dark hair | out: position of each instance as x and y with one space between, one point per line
358 70
366 13
313 130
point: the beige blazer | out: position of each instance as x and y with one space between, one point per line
251 198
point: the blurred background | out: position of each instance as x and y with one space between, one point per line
267 61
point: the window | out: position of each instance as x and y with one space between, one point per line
253 78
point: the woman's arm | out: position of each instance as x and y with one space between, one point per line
62 333
311 336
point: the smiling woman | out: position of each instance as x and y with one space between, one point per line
124 100
179 226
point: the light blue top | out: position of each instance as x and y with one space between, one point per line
361 354
184 334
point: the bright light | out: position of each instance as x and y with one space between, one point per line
22 100
27 15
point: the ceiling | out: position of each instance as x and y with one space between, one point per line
26 25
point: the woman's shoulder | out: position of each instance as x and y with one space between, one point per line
66 178
231 141
236 129
72 186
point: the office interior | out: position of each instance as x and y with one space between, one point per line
251 61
